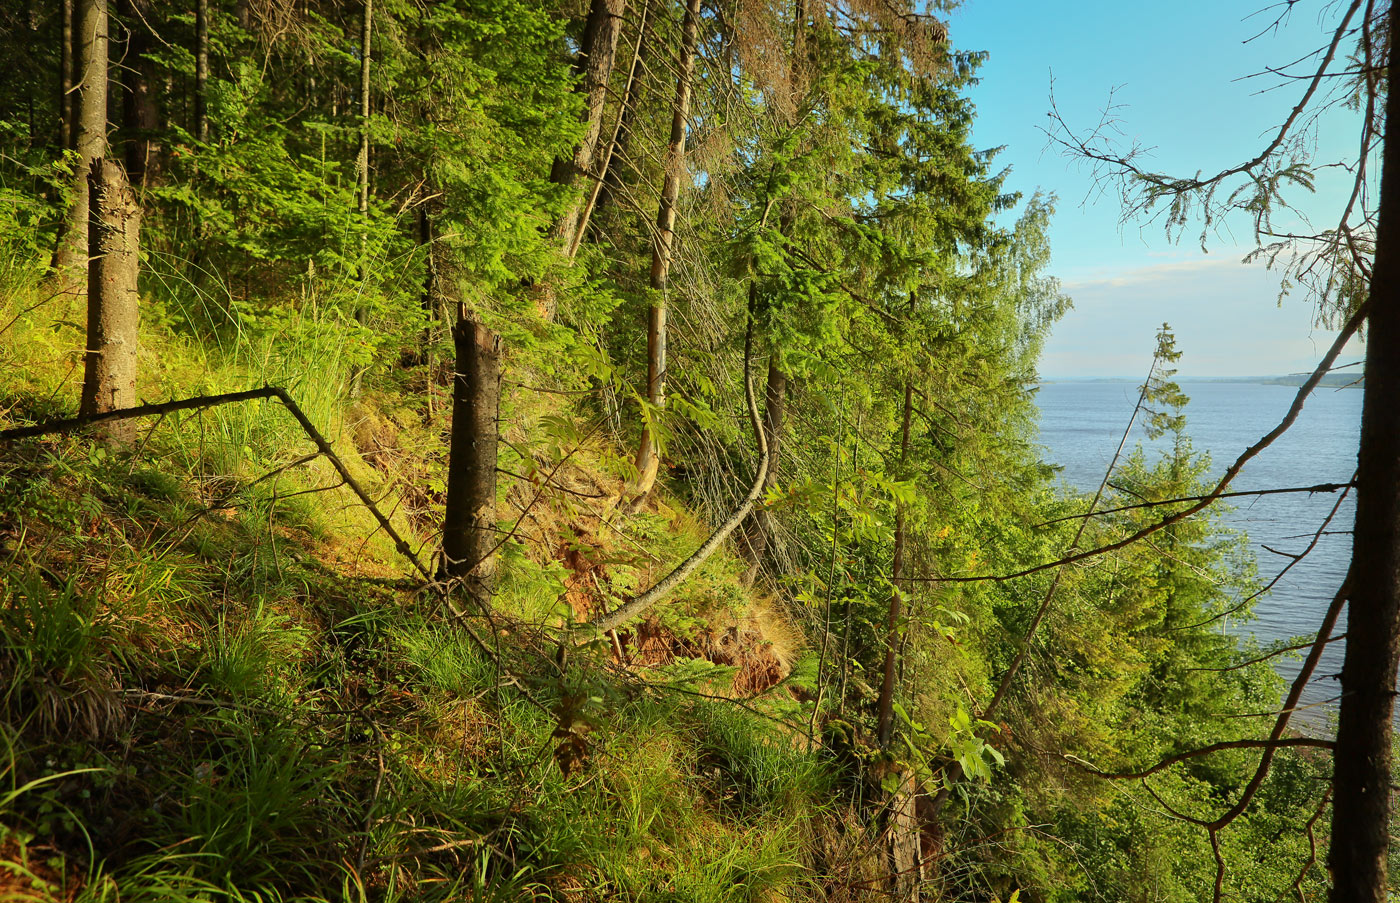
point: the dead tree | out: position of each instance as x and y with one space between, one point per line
110 362
469 523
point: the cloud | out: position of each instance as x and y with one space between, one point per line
1227 318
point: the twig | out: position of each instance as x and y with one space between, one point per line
1320 487
1202 751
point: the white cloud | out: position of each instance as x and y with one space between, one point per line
1226 315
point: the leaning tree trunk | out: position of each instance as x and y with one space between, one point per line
610 180
648 459
1361 782
758 529
469 523
109 371
70 260
597 52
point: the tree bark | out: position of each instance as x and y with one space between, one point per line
140 115
885 716
759 527
362 158
597 51
201 70
469 523
109 371
362 174
611 179
648 460
1361 780
90 36
67 80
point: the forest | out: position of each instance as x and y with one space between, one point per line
587 450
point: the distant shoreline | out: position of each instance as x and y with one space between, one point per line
1346 380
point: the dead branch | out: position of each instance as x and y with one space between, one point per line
1352 325
643 601
201 402
1195 753
1320 487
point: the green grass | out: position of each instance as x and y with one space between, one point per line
212 690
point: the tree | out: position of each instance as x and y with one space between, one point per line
1362 783
469 522
648 459
1353 269
113 312
597 50
70 261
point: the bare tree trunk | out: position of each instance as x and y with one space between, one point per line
641 603
612 179
362 159
759 527
67 109
1361 782
431 304
201 70
140 115
605 171
469 523
362 173
885 716
597 52
70 261
648 460
109 371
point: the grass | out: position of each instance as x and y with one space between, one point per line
212 687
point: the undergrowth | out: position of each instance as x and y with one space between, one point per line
215 685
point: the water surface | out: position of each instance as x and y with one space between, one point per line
1081 423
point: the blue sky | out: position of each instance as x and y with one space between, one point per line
1178 72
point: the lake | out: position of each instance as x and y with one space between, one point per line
1082 421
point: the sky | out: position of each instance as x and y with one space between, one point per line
1179 77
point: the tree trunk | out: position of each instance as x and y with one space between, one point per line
469 524
70 261
109 371
885 717
648 460
611 180
140 115
1361 782
759 527
362 176
597 51
604 169
430 302
362 159
67 79
201 70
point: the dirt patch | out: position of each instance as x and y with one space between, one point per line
740 646
25 875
